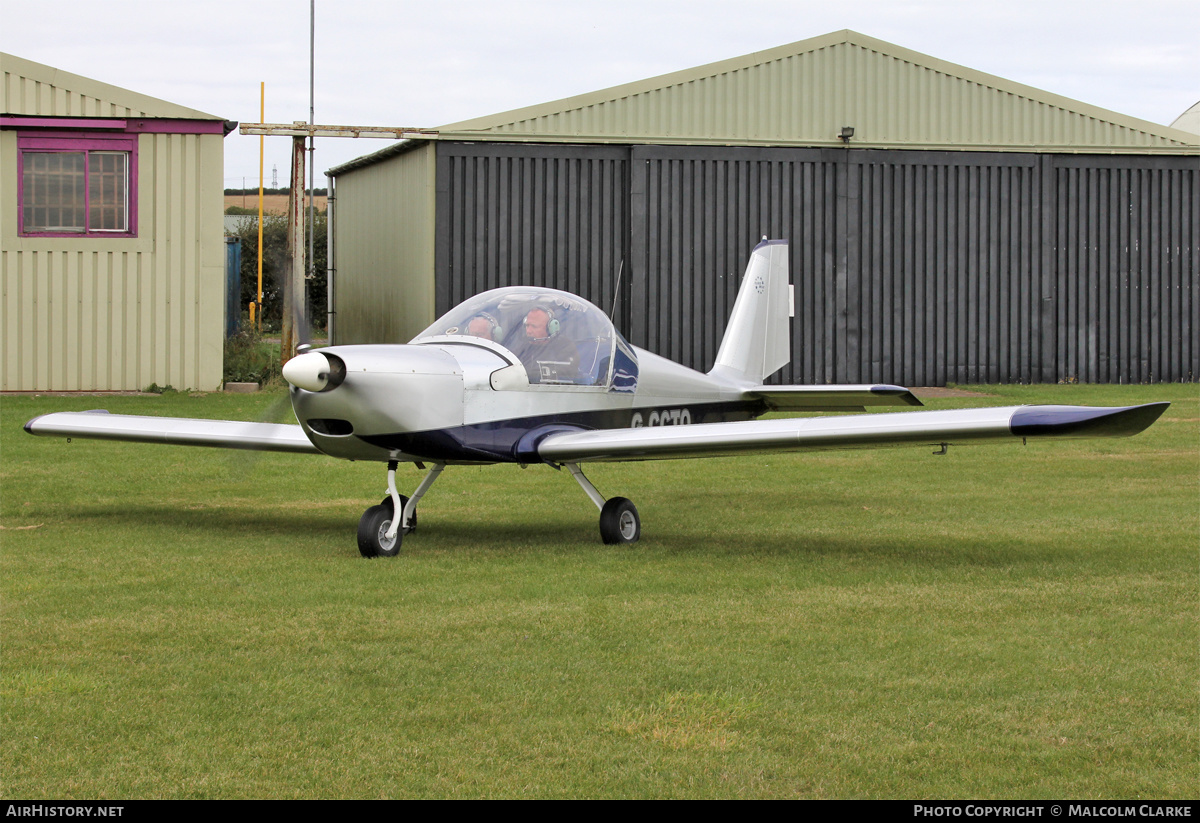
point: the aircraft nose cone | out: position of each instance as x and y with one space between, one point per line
308 371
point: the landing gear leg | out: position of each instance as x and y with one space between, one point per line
379 531
619 521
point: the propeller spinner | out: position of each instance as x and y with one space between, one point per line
315 371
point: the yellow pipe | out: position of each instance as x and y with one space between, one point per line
262 117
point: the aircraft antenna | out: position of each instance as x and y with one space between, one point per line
617 289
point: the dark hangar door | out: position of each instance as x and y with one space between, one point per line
520 214
911 267
1126 266
908 267
696 215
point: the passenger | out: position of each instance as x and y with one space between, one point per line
548 357
483 325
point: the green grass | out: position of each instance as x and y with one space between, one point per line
996 622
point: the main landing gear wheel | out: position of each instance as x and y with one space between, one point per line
619 521
372 533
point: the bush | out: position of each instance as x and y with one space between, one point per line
250 358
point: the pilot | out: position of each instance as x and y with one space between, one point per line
548 357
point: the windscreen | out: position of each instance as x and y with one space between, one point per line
559 338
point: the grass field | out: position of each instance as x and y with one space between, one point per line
998 622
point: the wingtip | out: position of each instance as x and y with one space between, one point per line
29 425
904 395
1085 421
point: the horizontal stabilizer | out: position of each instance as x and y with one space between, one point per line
177 431
830 398
931 428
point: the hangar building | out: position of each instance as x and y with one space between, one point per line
946 225
111 241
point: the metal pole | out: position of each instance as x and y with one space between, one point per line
312 140
329 256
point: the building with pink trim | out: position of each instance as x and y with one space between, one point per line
111 236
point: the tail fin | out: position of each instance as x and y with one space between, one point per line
757 339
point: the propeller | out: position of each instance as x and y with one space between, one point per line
297 335
294 346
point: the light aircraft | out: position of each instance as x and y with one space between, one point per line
530 375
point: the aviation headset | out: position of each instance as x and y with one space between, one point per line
497 329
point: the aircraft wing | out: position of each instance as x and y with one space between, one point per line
830 398
931 428
179 431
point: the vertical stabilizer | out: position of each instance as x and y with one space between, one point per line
757 339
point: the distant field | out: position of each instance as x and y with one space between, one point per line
997 622
272 203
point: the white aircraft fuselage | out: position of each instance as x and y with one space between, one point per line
469 401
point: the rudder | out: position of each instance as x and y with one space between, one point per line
757 340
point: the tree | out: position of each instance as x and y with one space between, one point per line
275 261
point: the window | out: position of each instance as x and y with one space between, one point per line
82 185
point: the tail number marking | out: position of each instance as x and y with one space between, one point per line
666 417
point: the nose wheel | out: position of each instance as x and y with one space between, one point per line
412 521
380 531
373 540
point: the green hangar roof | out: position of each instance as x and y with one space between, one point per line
29 88
804 93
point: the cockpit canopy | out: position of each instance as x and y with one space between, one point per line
561 339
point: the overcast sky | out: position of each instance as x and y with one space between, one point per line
431 63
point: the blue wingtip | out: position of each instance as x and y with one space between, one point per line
1083 421
900 392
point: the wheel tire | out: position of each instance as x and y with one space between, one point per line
387 504
619 522
372 528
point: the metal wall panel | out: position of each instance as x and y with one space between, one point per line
510 214
941 282
698 213
384 225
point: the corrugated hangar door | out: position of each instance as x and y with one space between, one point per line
908 267
925 267
942 253
696 215
521 214
1126 267
911 267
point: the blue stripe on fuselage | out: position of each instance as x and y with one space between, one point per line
515 440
